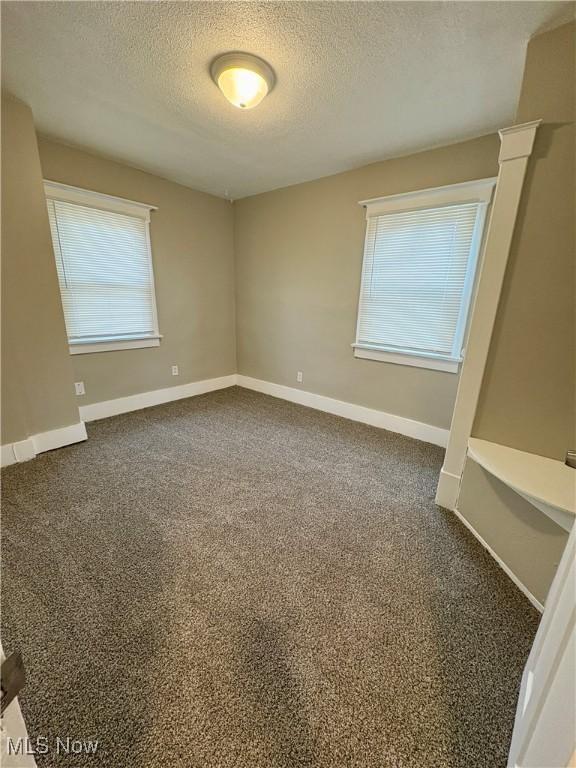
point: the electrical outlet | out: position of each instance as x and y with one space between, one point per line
79 387
175 371
299 377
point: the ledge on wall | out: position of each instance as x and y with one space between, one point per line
548 484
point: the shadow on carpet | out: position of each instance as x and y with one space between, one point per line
234 581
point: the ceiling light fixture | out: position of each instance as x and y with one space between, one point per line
244 79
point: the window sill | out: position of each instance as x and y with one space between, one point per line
448 365
86 348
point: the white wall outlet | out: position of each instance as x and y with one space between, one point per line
299 377
175 371
79 387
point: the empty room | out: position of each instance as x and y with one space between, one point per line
288 384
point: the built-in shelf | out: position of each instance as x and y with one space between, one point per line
546 483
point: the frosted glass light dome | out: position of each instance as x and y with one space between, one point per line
243 79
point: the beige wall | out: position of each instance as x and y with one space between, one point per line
528 393
192 250
529 542
527 396
298 262
37 383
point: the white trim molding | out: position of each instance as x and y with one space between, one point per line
10 453
516 146
112 345
428 433
24 450
475 191
54 190
106 408
545 725
517 141
58 438
433 362
448 489
46 441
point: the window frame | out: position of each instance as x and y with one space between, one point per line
478 191
55 190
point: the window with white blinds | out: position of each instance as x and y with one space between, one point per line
102 250
418 273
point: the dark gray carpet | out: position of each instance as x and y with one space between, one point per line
236 581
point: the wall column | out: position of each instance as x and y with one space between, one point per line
515 149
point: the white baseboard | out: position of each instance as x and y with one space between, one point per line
57 438
389 421
8 453
24 450
108 408
522 587
448 490
27 449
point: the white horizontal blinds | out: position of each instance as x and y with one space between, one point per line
414 278
104 270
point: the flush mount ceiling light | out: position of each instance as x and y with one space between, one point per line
244 79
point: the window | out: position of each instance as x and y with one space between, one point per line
102 250
420 258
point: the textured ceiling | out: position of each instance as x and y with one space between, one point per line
357 82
